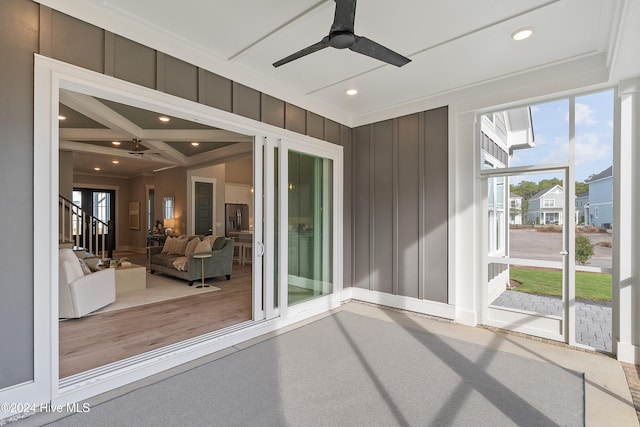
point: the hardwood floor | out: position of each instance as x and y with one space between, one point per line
100 339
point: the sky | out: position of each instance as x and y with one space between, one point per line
594 135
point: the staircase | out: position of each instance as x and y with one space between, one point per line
87 235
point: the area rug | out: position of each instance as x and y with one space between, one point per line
351 370
158 289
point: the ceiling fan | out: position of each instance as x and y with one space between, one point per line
341 36
139 152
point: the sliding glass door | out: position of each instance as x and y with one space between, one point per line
310 227
301 216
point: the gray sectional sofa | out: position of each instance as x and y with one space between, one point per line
189 268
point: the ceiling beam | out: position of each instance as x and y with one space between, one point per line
200 135
99 112
165 150
85 134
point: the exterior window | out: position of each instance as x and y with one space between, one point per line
102 208
597 212
549 203
167 207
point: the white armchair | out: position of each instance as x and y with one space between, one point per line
80 294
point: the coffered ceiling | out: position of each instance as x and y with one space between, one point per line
102 134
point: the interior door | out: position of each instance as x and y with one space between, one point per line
203 208
529 282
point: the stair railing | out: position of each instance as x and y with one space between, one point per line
82 229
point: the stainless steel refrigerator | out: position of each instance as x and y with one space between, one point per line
236 217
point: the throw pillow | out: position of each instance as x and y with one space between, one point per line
85 268
191 246
179 246
167 245
219 243
203 246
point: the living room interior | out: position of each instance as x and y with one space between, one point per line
100 154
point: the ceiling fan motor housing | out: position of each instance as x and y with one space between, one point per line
342 39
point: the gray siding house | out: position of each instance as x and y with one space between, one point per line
601 199
546 206
582 208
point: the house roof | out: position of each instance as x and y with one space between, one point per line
455 47
607 173
543 192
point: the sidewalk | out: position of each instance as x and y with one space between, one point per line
593 318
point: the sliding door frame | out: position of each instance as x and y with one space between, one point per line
50 77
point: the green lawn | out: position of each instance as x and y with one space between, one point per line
590 286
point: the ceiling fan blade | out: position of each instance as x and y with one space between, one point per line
370 48
344 16
306 51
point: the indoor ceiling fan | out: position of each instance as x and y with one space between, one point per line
139 152
341 36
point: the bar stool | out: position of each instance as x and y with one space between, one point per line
247 250
237 256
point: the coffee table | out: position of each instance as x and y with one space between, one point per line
131 278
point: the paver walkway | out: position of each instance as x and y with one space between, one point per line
593 318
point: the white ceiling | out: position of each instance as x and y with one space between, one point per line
453 45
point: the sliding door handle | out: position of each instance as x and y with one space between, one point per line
564 253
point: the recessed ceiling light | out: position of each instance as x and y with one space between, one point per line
116 142
96 169
164 119
351 92
195 144
115 162
522 33
62 117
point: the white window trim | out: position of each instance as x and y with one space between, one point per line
50 76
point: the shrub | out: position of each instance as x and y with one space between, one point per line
584 249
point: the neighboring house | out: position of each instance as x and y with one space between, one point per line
515 209
501 134
582 208
601 199
546 206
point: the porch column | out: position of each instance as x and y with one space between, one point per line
626 267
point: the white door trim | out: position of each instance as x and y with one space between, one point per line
50 76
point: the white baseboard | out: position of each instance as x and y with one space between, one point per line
430 308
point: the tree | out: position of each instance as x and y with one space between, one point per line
526 189
584 249
548 183
581 188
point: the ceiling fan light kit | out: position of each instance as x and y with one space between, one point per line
342 36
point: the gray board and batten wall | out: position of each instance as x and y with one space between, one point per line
407 199
400 206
